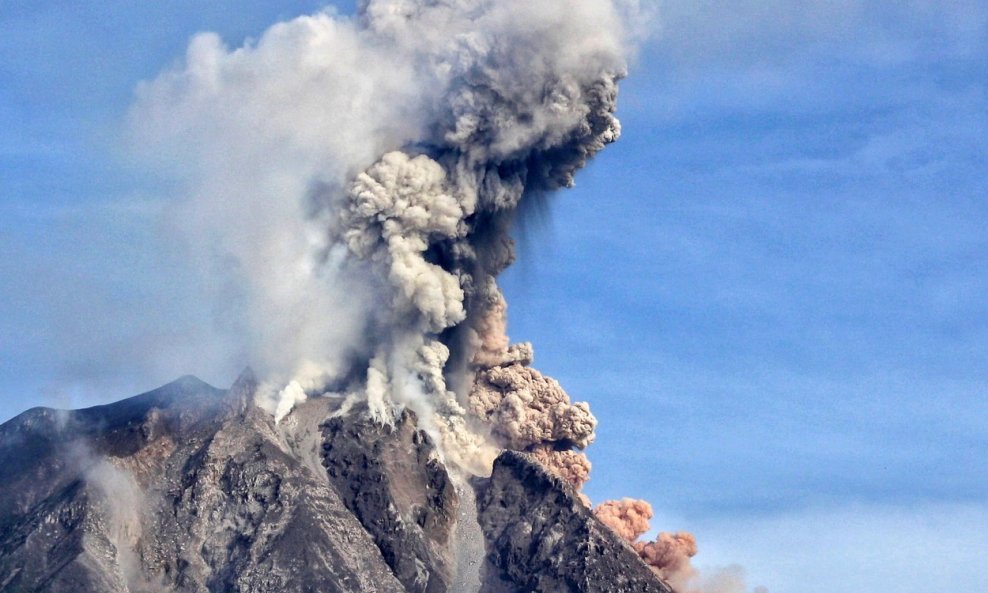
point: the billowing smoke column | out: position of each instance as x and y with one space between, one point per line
353 183
517 118
361 176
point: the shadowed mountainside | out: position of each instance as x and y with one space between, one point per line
191 488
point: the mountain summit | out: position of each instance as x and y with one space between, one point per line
190 488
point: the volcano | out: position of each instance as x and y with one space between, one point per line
190 488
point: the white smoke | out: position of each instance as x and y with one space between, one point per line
122 501
251 131
119 505
351 185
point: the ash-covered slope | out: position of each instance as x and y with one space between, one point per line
191 488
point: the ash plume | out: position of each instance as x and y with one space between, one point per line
669 555
354 182
627 517
571 466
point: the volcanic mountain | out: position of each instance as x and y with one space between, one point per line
190 488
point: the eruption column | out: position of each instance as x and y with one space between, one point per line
359 178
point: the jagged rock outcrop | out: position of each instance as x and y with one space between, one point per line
193 489
542 538
185 488
391 478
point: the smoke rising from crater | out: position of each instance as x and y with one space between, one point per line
351 187
352 184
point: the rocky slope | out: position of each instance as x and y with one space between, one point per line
192 489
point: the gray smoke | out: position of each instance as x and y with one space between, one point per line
358 179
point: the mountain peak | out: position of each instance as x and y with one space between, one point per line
241 394
169 490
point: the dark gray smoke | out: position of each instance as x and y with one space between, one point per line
364 175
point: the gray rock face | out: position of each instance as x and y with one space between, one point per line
393 482
541 538
193 489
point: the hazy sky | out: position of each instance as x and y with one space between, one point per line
772 289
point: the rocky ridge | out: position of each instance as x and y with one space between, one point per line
189 488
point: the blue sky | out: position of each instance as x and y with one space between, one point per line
771 289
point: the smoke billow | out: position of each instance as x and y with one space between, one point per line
353 183
627 517
571 466
669 555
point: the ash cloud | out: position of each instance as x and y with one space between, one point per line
351 186
627 517
357 179
669 555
